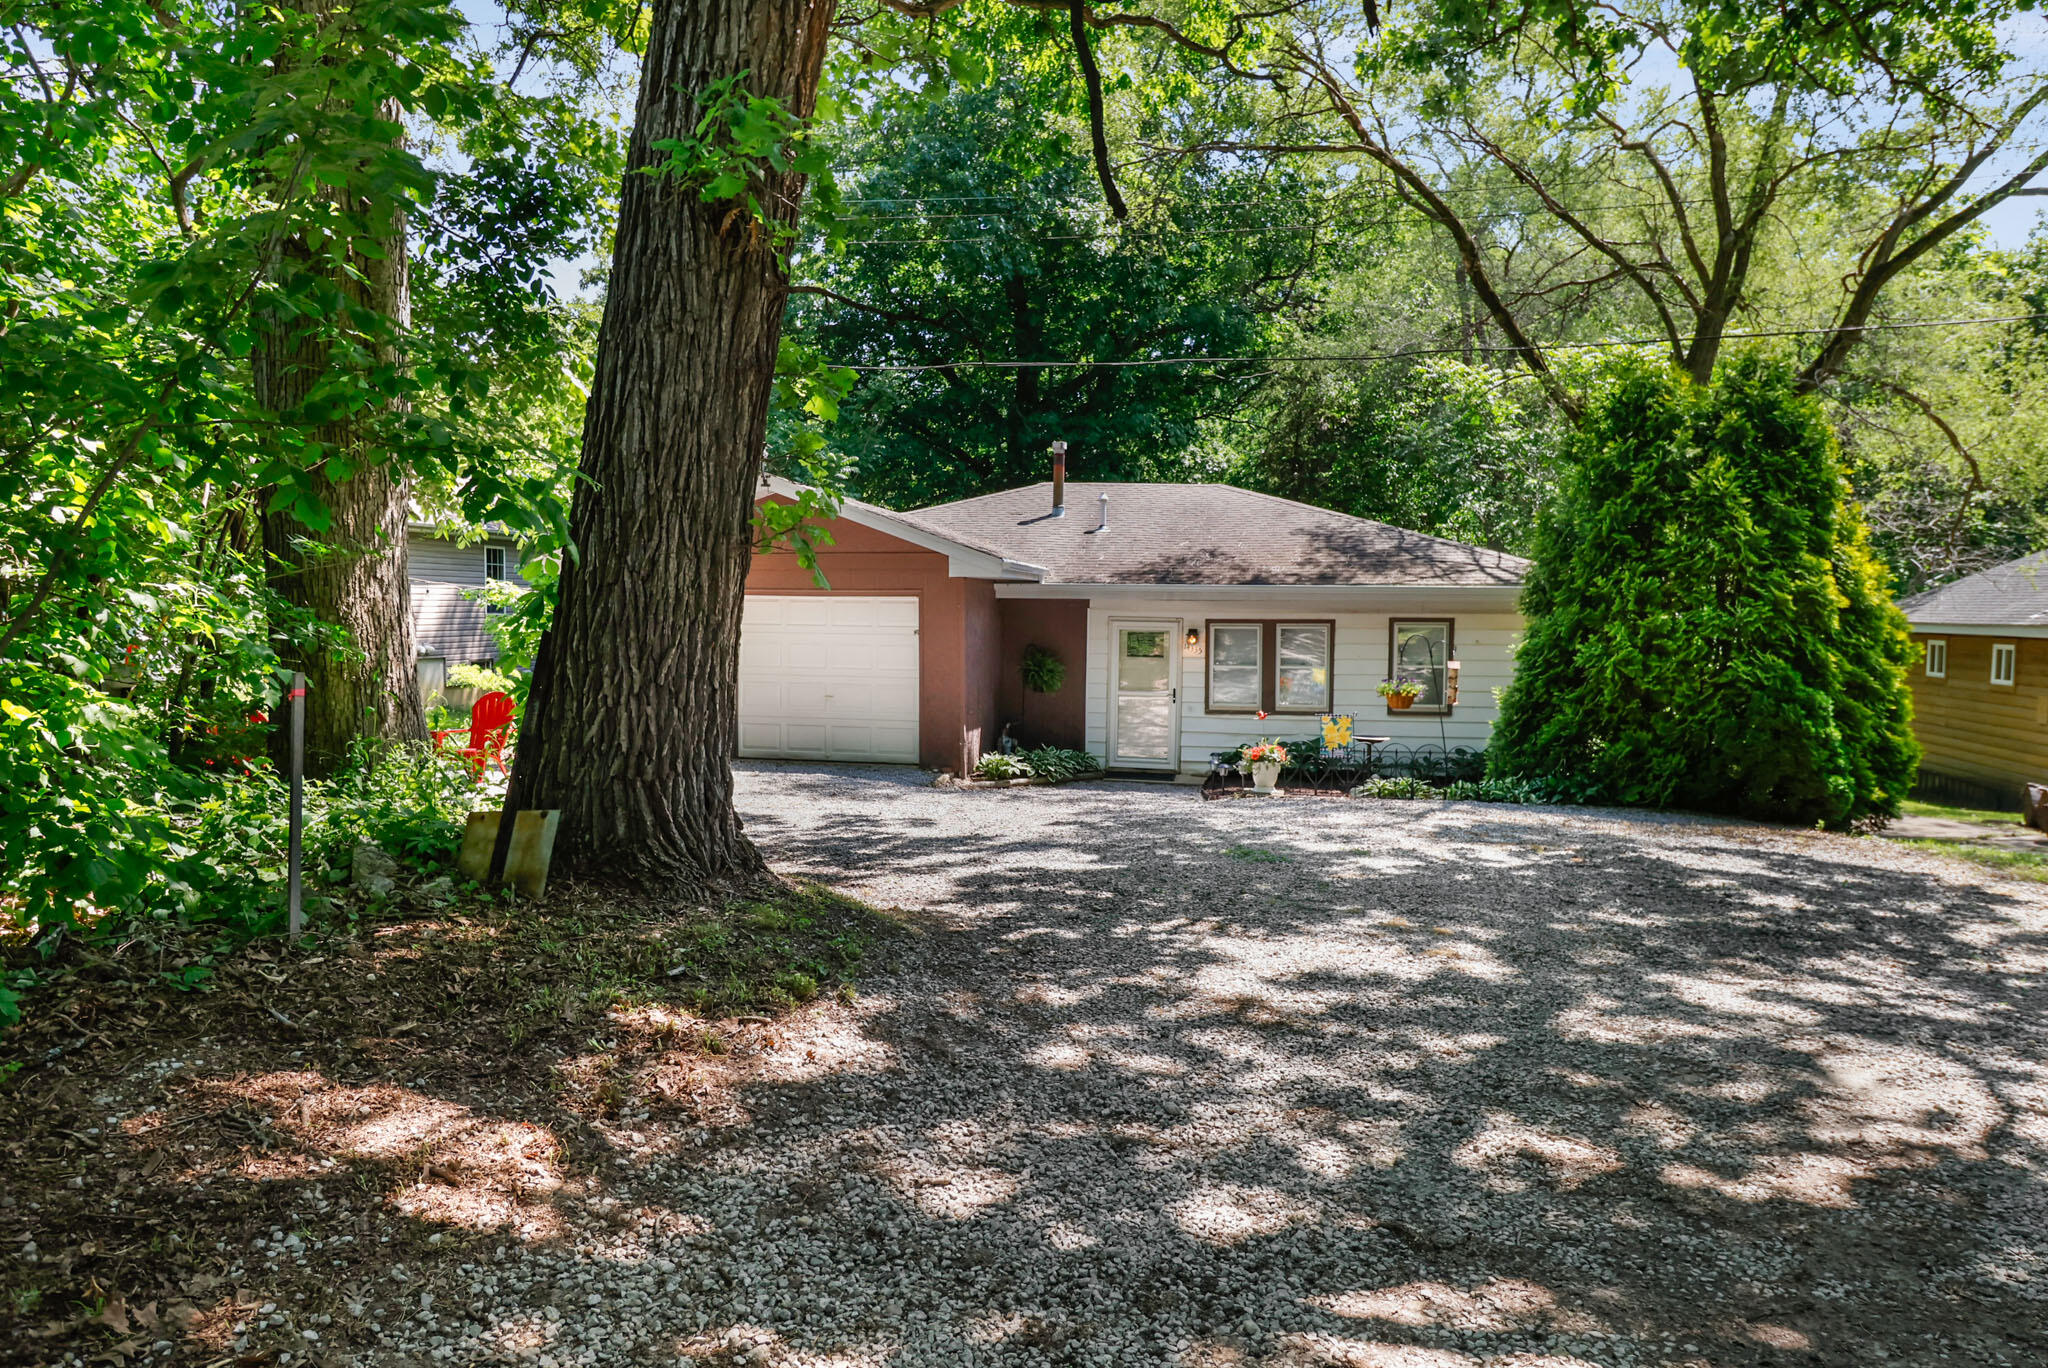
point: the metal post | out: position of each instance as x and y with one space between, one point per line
297 700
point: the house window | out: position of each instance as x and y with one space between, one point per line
1937 660
1420 652
1275 667
1237 667
2004 662
494 573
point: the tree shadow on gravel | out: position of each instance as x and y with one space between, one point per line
1160 1081
1671 1083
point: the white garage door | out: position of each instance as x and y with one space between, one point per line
829 677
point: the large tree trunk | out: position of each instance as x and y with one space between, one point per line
630 722
362 681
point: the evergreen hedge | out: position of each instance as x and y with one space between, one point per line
1707 627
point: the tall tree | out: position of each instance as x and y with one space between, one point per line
629 723
975 239
336 538
1707 626
1662 146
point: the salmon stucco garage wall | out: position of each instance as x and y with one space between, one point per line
1060 626
957 629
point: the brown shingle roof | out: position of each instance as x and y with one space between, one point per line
1207 534
2014 594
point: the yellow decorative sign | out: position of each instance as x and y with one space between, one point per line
1336 733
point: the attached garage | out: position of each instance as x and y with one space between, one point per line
829 677
890 652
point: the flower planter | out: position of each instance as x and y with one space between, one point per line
1264 776
1400 701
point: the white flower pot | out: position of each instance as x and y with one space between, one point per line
1265 774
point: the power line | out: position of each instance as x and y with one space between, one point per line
1296 202
1490 348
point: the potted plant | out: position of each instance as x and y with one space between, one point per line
1400 693
1262 760
1043 671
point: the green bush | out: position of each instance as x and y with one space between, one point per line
996 765
1706 625
1384 787
1473 790
1059 764
481 677
411 800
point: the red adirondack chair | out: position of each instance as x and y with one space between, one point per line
490 730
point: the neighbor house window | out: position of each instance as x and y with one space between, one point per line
2004 662
1420 652
494 572
1937 660
1275 667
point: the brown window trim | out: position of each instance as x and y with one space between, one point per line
1269 663
1450 654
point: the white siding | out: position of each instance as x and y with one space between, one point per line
1483 643
444 619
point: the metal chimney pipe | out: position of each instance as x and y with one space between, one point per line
1059 479
1102 511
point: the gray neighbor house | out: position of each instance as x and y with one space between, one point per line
447 624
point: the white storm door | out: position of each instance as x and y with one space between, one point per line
1144 695
829 677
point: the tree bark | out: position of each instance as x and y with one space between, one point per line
631 719
361 683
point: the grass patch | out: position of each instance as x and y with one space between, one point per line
2031 865
533 969
1990 817
1257 856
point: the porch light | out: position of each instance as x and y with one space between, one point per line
1194 637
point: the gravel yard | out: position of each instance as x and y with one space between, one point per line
1294 1082
1423 1086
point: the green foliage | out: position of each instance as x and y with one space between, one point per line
1059 765
411 801
1706 625
1388 786
164 167
1054 764
997 765
739 139
1043 671
521 617
1455 450
1485 790
481 677
1302 754
974 233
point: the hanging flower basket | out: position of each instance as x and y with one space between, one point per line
1400 693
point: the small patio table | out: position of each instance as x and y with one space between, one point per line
1355 763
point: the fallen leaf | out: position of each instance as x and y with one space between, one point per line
114 1315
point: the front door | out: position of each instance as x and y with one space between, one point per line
1144 695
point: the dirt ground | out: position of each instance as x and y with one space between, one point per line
1128 1079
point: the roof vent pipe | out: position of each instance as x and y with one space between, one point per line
1059 479
1102 510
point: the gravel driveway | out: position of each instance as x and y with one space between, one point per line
1298 1082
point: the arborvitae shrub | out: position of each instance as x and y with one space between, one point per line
1706 625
